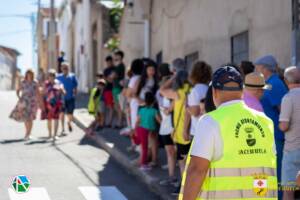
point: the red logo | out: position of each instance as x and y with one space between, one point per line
260 183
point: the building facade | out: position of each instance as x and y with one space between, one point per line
43 39
215 31
8 68
83 31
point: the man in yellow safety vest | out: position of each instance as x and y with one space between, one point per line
233 154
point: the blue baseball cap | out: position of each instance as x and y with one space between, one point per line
267 60
227 74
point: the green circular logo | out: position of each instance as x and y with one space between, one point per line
21 184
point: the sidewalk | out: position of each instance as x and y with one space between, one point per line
116 145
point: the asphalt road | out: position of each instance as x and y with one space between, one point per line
71 169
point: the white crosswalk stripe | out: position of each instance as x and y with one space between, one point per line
32 194
88 192
102 193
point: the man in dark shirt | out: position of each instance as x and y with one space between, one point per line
109 66
118 83
109 75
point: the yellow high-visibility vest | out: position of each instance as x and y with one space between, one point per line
247 169
93 103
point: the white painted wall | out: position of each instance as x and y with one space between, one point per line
6 65
132 32
64 25
181 27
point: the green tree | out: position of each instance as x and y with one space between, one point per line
113 43
116 14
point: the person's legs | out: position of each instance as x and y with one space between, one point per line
55 127
290 168
116 93
182 151
101 120
26 129
70 106
128 119
143 136
62 120
133 118
70 120
109 107
49 124
279 152
171 160
69 109
119 115
181 166
154 148
30 124
110 116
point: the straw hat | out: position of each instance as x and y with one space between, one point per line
256 80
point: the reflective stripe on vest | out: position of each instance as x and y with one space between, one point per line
241 171
247 168
235 194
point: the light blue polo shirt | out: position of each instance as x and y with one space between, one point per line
70 83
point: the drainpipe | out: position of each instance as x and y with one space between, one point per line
295 33
146 38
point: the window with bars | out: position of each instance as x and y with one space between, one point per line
240 47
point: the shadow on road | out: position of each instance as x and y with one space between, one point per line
37 142
88 141
11 141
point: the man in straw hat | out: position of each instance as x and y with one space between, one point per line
254 89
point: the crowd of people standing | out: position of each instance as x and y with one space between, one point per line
190 113
164 104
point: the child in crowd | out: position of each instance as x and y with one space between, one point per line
148 116
96 107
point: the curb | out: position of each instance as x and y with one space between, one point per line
149 181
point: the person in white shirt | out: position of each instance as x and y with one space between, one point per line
166 127
137 66
148 82
200 76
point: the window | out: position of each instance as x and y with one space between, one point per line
240 47
295 14
190 59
